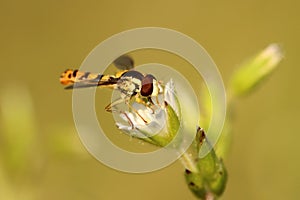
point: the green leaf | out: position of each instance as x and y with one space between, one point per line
172 127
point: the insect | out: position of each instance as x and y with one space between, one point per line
130 83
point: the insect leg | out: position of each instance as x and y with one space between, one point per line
129 120
147 103
134 110
157 101
108 108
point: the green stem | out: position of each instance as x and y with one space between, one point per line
209 196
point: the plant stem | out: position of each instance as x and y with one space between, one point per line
209 196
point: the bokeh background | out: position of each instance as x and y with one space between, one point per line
41 156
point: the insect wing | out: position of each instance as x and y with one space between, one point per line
124 62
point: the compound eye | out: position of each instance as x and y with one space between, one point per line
147 85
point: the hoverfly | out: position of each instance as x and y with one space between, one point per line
130 83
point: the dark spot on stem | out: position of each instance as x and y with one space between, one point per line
202 135
192 184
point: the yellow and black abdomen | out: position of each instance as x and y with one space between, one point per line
87 79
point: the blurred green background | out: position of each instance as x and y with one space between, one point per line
41 155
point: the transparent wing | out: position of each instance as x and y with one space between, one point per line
124 62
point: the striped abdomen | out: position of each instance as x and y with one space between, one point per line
87 79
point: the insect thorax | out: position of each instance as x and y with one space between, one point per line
129 86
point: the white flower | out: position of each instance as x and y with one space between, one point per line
151 123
